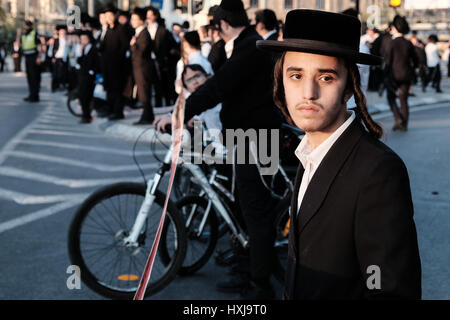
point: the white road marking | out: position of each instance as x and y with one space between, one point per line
71 183
43 213
23 198
63 133
77 163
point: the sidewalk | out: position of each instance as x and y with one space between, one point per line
376 105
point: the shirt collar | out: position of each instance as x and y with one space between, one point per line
139 29
306 154
229 46
87 48
268 34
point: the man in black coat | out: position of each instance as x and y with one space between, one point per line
140 47
163 42
88 64
266 24
244 87
400 63
352 233
113 49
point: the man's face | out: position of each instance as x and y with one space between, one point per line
135 21
151 18
62 33
194 79
122 20
314 86
176 30
110 17
84 40
102 19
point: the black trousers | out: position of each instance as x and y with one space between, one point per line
2 65
257 207
401 115
17 67
434 75
33 75
59 74
85 93
115 102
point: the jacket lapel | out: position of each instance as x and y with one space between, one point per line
326 173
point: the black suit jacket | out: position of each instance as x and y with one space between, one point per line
141 66
357 212
113 49
244 87
89 67
401 60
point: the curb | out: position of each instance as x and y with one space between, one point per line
122 129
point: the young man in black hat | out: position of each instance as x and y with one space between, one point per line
88 64
352 233
141 65
113 49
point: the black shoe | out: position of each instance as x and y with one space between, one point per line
116 117
26 99
234 284
438 91
33 100
103 114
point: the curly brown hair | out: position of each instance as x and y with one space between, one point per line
353 85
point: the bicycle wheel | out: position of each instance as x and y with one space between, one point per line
282 222
73 104
96 234
200 247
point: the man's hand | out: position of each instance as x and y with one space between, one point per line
133 41
162 121
38 61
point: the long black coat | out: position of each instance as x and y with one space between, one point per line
401 60
89 67
357 212
113 49
244 87
141 66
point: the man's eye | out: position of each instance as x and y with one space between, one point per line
326 78
296 76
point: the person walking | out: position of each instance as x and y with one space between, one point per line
140 47
400 63
433 63
352 233
30 43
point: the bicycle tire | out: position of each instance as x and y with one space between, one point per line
73 104
126 284
199 248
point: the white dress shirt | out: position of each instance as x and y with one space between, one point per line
432 52
311 159
152 30
229 46
268 34
62 51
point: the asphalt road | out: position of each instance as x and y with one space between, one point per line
49 163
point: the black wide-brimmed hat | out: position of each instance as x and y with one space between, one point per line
321 32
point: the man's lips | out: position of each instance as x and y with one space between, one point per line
307 108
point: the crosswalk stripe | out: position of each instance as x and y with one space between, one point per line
24 198
17 222
71 183
77 163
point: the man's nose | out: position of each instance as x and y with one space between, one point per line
310 89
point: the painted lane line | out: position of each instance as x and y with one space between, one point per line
89 148
77 163
40 214
23 198
71 183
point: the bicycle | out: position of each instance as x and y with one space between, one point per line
98 99
215 200
116 225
